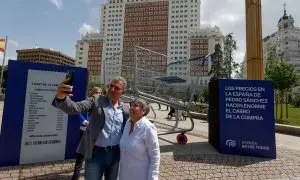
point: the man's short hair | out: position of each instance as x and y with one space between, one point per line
119 78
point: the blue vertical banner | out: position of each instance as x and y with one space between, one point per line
32 129
246 112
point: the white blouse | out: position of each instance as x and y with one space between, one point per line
140 155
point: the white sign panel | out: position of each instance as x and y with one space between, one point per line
44 127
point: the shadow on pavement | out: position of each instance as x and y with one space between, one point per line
203 152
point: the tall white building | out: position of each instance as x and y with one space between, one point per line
285 41
89 55
184 17
82 49
112 28
159 25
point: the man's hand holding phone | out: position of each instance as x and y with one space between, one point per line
65 88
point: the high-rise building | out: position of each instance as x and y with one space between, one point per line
159 25
284 42
47 56
146 25
112 29
184 18
89 54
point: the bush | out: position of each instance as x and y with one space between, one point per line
199 108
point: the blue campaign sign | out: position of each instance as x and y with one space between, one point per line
247 125
32 130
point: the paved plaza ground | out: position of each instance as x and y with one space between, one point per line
195 160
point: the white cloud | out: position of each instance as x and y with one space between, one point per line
57 3
6 58
10 58
230 17
206 24
239 56
13 42
86 28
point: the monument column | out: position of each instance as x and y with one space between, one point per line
255 66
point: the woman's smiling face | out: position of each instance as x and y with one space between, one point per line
136 110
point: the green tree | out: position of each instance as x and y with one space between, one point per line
217 69
295 100
170 91
130 82
240 73
204 94
272 61
188 93
229 48
284 76
196 97
153 84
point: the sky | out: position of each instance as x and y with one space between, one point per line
58 24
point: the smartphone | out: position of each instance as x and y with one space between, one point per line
69 78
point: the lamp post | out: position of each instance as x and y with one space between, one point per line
255 64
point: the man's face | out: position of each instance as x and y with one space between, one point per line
115 89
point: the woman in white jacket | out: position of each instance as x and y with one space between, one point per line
140 155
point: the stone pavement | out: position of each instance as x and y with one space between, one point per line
195 160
